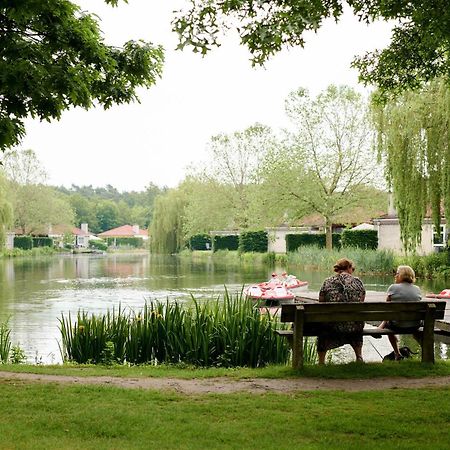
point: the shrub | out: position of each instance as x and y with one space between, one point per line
253 241
200 242
42 242
360 239
230 242
98 244
23 242
294 241
126 242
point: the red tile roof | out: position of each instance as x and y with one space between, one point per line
123 231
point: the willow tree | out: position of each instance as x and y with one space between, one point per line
166 231
414 137
6 214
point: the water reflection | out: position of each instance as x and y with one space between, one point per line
34 292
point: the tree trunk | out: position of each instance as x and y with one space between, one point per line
328 234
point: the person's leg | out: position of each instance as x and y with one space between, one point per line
357 348
394 342
322 357
382 325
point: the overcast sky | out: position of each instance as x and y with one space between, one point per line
130 146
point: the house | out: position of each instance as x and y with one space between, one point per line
388 227
80 236
125 231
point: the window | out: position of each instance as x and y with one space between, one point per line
439 241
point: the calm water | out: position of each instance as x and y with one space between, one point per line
34 292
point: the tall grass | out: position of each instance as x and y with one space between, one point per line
227 333
5 342
427 266
367 261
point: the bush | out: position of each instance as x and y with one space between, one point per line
230 242
253 241
294 241
126 242
42 242
23 242
360 239
200 242
97 244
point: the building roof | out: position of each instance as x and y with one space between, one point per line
124 231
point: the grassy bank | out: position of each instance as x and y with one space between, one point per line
407 368
367 261
44 416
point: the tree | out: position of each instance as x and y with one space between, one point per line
418 52
414 137
38 206
53 57
328 161
6 214
167 228
107 213
233 163
35 206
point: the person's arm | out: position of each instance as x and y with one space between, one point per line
322 294
390 293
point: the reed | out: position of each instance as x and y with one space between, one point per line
5 342
367 261
226 332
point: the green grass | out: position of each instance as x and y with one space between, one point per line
46 416
410 369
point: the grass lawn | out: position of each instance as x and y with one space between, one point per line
412 368
47 416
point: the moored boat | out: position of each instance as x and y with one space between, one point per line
277 290
445 294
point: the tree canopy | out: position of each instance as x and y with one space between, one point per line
328 161
418 52
53 57
414 137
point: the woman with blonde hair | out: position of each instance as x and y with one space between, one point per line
342 287
404 290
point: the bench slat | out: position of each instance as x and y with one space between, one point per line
364 311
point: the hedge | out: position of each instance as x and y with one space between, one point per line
126 242
99 245
360 238
253 241
42 242
294 241
230 242
23 242
200 242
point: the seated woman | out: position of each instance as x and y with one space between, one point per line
404 290
342 287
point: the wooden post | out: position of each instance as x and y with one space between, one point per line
428 334
297 346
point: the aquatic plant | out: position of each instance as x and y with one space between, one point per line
226 332
5 342
367 261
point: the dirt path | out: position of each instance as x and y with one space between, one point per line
226 386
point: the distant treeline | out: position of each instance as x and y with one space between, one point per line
104 208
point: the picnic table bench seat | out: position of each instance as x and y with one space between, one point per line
306 316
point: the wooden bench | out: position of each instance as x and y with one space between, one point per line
304 316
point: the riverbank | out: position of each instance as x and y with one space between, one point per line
368 262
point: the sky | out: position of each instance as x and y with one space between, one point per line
156 140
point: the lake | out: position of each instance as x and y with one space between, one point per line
34 292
